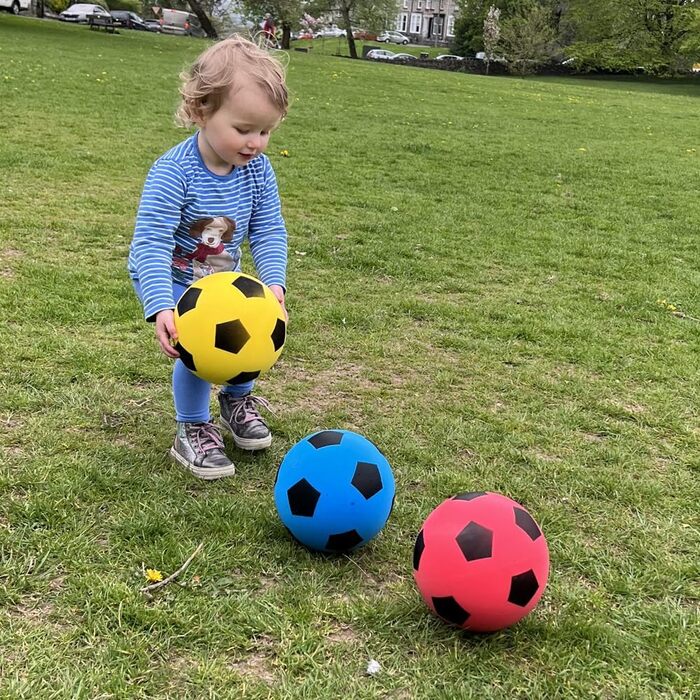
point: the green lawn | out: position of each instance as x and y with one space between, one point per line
476 266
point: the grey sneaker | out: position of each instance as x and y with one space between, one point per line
200 448
240 415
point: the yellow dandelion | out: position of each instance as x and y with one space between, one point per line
284 153
153 575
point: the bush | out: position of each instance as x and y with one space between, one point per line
130 5
613 57
57 5
528 40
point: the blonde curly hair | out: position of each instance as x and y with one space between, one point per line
217 70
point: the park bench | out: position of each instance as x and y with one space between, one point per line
97 21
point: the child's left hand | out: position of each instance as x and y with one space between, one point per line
278 291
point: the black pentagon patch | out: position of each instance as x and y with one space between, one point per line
475 542
326 438
522 588
343 541
242 377
279 334
303 498
418 550
367 479
525 522
449 609
186 358
231 336
248 287
469 496
188 300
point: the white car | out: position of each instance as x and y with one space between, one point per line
14 6
393 37
330 33
403 57
481 55
448 57
380 54
80 12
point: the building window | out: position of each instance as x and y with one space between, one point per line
451 25
420 5
403 22
405 4
428 4
416 22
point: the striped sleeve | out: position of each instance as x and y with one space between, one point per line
267 233
156 222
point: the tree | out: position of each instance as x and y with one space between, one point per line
203 18
528 39
690 45
469 38
469 27
626 35
492 31
286 14
368 14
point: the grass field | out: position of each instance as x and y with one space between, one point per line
496 280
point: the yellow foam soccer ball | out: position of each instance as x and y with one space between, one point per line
230 328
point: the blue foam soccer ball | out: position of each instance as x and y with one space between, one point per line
334 491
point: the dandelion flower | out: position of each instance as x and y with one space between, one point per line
284 153
153 575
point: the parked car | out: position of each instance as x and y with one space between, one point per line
152 24
449 57
14 6
393 37
330 33
129 20
180 22
80 12
403 57
302 35
482 57
364 35
381 54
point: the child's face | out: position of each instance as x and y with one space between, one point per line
240 129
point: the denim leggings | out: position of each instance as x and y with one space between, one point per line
191 394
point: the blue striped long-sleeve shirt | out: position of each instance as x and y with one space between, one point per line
192 222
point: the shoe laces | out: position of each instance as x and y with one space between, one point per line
244 409
206 436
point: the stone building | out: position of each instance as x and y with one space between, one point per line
427 21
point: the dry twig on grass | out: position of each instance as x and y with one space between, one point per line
159 584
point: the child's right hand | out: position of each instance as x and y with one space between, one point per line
166 332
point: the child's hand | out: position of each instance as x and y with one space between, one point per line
166 333
279 293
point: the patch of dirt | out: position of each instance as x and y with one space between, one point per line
7 258
258 665
543 456
12 451
629 407
34 611
10 422
325 389
343 634
594 437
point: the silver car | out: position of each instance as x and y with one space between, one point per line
380 54
80 12
393 37
330 33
